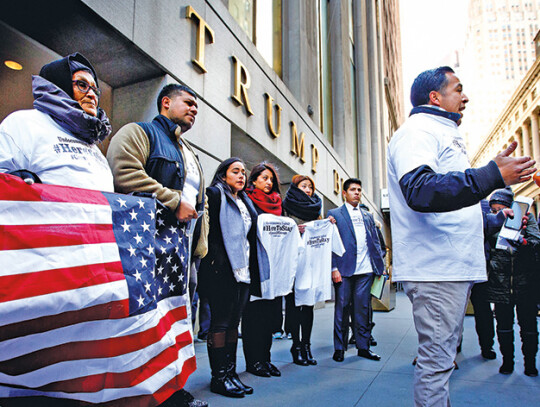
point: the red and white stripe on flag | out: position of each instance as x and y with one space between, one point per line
66 330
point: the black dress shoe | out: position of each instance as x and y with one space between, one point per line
339 356
352 341
489 353
274 371
372 341
258 369
366 353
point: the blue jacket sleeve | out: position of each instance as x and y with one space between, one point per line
426 191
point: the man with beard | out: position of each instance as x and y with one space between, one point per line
154 158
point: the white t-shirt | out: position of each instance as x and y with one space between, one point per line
363 263
192 178
432 246
242 275
32 140
314 273
281 240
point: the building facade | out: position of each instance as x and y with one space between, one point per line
499 50
518 122
312 86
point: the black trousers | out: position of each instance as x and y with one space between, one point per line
298 320
526 316
258 325
226 306
483 317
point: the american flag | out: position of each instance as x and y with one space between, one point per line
93 298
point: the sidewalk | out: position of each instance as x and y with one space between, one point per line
364 383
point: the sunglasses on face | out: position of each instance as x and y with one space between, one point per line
85 87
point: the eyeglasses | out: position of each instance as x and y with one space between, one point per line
85 87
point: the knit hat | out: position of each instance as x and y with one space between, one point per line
503 196
61 71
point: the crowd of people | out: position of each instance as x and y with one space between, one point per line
253 249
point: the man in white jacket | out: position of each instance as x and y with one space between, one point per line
437 222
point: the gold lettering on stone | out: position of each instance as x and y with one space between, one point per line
336 183
270 116
202 29
298 143
314 158
242 82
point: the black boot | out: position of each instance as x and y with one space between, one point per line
231 369
506 344
530 348
221 383
298 358
306 353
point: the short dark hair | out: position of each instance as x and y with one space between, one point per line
428 81
350 181
221 172
171 90
258 169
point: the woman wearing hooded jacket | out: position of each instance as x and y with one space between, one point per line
56 141
511 285
303 205
257 321
227 271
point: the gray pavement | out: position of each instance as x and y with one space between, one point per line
364 383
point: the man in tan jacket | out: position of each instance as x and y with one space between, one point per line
154 158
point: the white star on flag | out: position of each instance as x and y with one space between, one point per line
138 238
141 203
122 202
140 300
125 226
146 227
133 214
137 275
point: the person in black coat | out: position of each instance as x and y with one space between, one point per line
227 271
511 285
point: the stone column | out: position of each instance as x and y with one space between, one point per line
525 145
534 136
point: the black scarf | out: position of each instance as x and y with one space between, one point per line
299 204
50 99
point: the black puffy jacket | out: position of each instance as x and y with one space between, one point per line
511 277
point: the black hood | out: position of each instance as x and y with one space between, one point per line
61 71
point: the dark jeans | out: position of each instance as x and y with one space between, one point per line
258 323
226 306
298 320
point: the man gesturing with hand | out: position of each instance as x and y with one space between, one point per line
437 229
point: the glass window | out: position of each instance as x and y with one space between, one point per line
268 32
243 13
261 21
325 73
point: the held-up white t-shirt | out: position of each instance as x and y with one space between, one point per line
432 246
314 273
281 240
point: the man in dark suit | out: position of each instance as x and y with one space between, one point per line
353 273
